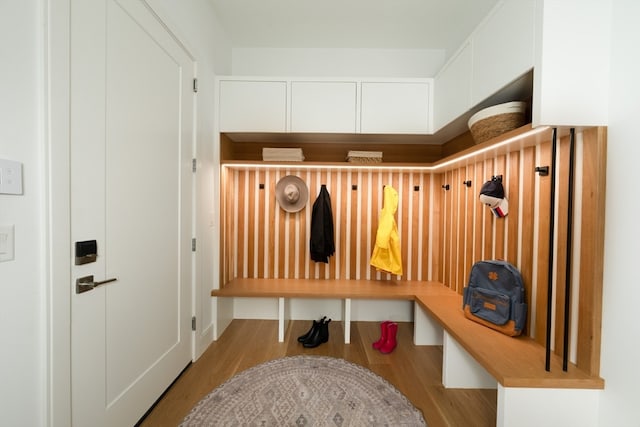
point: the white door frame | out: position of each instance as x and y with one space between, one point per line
58 316
58 219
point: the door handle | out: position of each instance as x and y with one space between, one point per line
86 283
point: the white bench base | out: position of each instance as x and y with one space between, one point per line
534 407
516 406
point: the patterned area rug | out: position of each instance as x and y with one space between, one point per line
305 391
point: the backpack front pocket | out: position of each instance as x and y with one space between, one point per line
490 305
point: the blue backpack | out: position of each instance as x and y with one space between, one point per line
495 297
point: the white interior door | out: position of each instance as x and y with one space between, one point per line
131 149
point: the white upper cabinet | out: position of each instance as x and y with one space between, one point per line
395 107
452 88
399 106
324 106
571 79
253 106
503 48
498 52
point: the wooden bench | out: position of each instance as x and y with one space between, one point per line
346 290
474 356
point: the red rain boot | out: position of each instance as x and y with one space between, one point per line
390 343
383 335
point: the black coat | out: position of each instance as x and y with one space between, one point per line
322 243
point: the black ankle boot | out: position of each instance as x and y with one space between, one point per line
319 336
314 326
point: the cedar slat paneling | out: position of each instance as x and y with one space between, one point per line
252 236
479 213
512 189
415 232
592 249
436 230
262 225
354 221
442 232
471 202
500 168
562 203
528 196
487 225
541 260
263 241
456 234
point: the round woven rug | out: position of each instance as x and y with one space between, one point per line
305 391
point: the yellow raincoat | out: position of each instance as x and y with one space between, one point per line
386 253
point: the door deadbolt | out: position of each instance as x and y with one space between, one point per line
86 283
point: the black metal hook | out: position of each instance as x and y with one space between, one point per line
446 187
542 170
467 183
496 178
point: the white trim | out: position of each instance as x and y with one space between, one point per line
58 250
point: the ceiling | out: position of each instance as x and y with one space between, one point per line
377 24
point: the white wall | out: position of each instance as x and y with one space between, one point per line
22 281
337 62
195 23
621 329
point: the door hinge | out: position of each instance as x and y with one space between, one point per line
193 244
193 323
195 85
194 165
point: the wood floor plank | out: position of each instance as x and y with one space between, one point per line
414 370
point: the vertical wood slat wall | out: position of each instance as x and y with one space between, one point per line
471 233
263 241
442 232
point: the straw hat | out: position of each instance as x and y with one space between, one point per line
292 193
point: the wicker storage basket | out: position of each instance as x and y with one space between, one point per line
364 157
496 120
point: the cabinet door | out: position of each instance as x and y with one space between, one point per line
452 89
502 48
395 107
253 106
323 107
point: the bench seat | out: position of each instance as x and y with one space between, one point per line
511 361
334 288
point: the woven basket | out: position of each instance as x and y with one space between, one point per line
496 120
364 160
364 157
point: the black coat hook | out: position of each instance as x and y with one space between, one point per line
542 170
446 187
467 183
496 178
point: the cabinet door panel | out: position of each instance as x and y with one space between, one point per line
452 89
323 107
503 48
395 107
253 106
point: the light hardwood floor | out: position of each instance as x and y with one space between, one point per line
414 370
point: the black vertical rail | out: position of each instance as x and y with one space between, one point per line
567 283
547 363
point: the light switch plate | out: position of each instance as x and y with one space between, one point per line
6 243
10 177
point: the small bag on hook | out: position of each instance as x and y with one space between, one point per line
492 195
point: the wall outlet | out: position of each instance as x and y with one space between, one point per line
6 243
10 177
